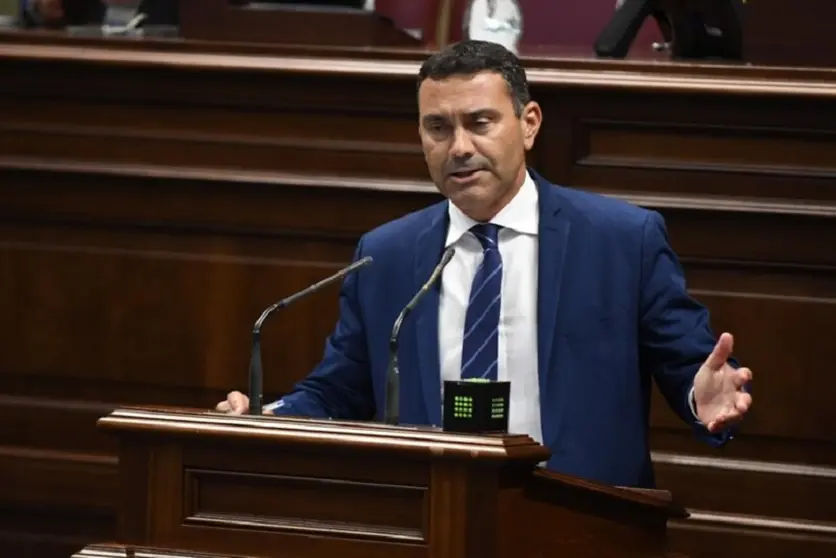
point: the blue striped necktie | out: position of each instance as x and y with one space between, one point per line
480 345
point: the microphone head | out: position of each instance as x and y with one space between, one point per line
358 264
447 256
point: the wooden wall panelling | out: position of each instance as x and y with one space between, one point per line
154 201
748 196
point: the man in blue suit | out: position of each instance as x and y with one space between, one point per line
575 298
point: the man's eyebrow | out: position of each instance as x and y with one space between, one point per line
432 118
482 112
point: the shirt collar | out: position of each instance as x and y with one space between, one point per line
520 215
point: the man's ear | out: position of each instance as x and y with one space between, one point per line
531 119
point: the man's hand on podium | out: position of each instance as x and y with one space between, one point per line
236 403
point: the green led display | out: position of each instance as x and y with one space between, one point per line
497 407
463 406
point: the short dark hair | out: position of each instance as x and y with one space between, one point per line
470 57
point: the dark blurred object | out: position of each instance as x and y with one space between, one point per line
342 3
618 35
702 28
160 12
692 29
289 24
796 33
76 12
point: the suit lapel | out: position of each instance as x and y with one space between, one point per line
430 245
554 236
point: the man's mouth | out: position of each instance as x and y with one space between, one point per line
462 174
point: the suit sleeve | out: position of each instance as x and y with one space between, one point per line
340 387
675 334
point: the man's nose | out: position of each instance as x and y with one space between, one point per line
462 147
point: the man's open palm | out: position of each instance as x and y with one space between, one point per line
718 388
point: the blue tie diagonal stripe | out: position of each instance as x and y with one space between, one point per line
480 343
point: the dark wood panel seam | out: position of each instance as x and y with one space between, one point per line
32 404
725 204
725 130
703 519
107 133
417 489
744 465
214 175
193 229
762 296
759 265
295 180
168 255
93 460
649 162
309 527
118 551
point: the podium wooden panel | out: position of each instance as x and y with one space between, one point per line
201 482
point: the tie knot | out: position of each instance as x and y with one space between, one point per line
487 233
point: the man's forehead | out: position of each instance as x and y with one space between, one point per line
463 93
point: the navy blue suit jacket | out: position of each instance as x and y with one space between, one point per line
613 315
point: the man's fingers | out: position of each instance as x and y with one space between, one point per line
239 407
741 377
723 421
731 415
744 401
236 403
721 353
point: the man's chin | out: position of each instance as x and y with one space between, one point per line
474 202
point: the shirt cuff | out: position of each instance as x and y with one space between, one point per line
271 407
692 403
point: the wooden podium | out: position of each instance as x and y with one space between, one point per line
202 483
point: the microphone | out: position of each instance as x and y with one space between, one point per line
256 372
392 411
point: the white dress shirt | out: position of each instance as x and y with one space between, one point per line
518 246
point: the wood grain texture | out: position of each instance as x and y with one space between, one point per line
155 197
424 492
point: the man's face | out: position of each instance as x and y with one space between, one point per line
473 142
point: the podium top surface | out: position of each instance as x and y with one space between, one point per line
429 441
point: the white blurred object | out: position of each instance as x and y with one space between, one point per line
120 12
369 6
497 21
